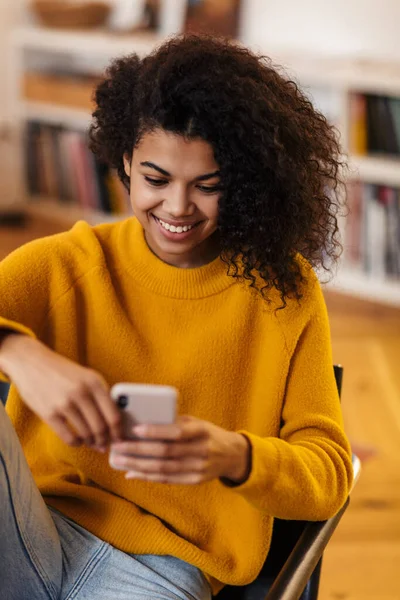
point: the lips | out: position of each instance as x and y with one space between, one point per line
177 223
176 233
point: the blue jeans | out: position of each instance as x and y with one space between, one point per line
46 556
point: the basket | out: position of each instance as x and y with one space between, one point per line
65 14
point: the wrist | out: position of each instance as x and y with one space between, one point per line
13 347
239 466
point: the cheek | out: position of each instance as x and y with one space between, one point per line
143 198
210 208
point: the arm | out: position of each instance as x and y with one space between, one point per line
305 473
24 296
72 399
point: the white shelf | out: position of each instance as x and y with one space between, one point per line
384 171
357 283
339 72
333 71
83 42
51 113
68 213
374 77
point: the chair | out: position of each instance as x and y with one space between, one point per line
3 391
293 566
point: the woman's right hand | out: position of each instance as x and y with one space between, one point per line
73 400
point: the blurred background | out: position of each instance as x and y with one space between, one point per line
346 57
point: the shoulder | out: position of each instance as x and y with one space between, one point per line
310 308
309 289
75 251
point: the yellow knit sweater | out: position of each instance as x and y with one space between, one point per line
100 297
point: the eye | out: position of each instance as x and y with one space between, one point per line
207 189
155 182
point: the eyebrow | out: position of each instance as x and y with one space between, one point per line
164 172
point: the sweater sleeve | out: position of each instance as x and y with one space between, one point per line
25 287
306 473
34 276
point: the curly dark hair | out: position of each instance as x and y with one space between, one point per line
279 158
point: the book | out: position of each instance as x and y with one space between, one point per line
358 124
386 126
392 234
381 134
31 140
394 107
60 164
354 222
375 232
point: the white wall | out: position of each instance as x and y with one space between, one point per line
366 27
11 13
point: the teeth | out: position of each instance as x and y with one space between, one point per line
174 229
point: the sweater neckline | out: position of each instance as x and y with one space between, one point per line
164 279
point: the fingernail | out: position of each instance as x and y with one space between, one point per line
140 429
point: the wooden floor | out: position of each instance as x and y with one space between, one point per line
362 561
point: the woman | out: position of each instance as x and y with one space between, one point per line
233 179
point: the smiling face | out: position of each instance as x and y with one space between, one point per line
175 188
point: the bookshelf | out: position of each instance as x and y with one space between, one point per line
47 113
329 81
96 48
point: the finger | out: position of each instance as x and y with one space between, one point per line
184 429
161 449
77 421
108 410
97 426
160 466
186 478
60 427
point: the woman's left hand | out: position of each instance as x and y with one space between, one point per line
190 451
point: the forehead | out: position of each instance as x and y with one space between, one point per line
176 154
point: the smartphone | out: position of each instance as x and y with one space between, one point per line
143 403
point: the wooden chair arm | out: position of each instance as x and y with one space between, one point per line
300 565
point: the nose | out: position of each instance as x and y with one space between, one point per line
178 203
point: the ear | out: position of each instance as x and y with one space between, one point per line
127 165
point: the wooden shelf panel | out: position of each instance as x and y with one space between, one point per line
60 90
